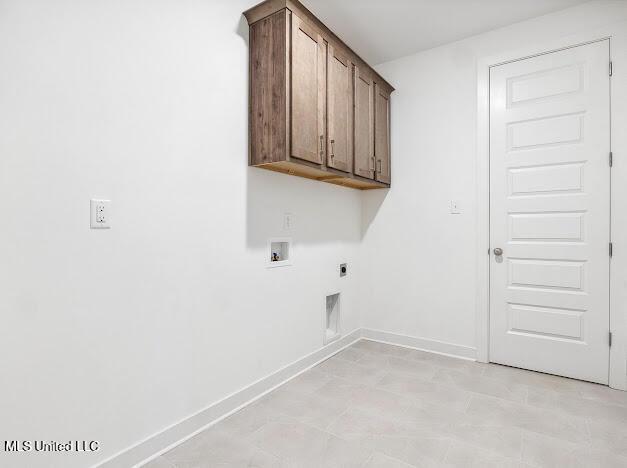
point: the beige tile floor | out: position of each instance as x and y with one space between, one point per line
376 405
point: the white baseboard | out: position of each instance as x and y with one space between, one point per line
423 344
177 433
161 442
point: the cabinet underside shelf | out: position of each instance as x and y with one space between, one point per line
322 174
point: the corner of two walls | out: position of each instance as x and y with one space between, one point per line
134 328
421 258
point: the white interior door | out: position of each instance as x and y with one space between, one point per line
550 212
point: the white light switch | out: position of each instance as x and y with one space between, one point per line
455 207
288 221
100 214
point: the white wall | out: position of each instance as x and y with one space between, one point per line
421 259
114 335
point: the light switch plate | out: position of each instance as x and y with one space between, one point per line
100 214
288 221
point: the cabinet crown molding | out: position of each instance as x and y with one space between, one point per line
269 7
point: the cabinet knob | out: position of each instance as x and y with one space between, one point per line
380 165
321 145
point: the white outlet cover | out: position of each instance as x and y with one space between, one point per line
100 214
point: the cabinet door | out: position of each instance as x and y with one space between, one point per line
340 141
307 111
382 134
364 125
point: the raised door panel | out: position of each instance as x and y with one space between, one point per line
307 124
340 144
382 134
364 125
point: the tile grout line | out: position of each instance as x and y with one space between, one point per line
472 395
525 387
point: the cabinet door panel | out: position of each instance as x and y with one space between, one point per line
307 135
340 145
382 135
364 125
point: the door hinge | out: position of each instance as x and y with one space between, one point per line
610 339
611 159
611 249
611 69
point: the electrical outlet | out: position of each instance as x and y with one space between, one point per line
101 218
100 214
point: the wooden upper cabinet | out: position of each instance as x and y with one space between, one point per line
269 58
339 111
308 92
317 110
382 134
364 124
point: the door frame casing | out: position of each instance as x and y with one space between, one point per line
617 36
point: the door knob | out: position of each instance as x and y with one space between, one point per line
498 251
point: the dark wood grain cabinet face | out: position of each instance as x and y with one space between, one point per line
364 125
339 111
382 134
307 78
268 99
317 110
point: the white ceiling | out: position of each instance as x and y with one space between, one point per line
382 30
